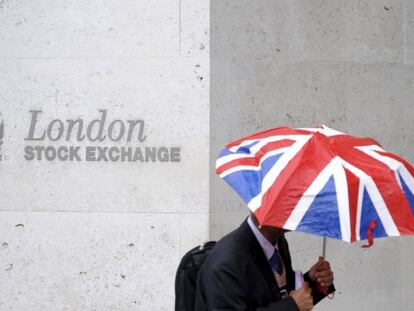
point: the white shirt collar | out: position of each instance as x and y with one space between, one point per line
268 248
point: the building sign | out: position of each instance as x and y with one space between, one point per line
99 139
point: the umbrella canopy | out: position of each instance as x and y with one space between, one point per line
321 181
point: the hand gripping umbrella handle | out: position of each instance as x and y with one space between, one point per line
319 286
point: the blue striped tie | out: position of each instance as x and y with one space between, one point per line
276 262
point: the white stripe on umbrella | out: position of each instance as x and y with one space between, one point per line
254 149
408 178
264 141
359 210
342 195
253 167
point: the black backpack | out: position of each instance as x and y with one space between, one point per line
186 277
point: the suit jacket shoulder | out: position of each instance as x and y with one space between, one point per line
237 276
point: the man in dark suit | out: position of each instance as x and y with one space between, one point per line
250 269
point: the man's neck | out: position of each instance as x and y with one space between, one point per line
272 234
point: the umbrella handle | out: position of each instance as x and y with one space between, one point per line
324 247
319 286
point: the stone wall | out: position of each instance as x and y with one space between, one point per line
346 64
103 225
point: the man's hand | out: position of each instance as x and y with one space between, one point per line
303 297
321 272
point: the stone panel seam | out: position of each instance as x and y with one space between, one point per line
101 212
179 28
100 57
312 61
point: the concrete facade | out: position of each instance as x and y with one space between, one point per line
101 234
346 64
108 234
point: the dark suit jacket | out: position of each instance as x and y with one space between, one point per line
237 276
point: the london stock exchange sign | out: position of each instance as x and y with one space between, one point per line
99 139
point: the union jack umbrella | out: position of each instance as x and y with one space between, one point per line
321 181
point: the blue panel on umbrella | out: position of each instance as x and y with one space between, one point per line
409 195
322 217
242 150
248 183
368 214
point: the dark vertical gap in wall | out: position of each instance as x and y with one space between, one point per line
212 123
